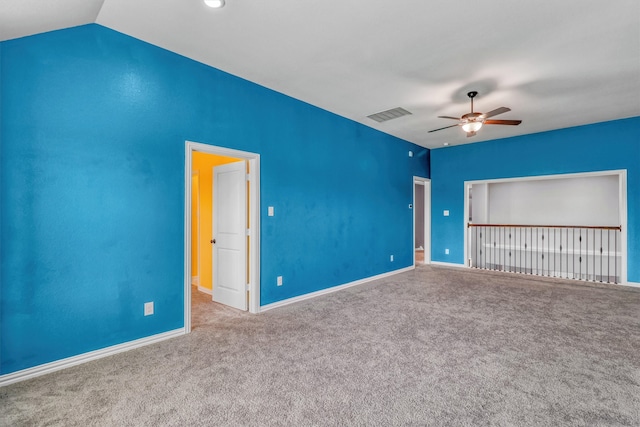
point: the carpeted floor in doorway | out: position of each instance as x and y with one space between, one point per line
435 346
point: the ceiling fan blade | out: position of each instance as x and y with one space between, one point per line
496 112
446 127
449 117
503 122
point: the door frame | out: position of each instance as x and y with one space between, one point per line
254 221
196 174
426 184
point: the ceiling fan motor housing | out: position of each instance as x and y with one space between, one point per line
472 117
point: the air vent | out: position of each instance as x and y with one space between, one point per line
394 113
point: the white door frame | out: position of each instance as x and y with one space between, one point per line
254 222
622 206
196 174
426 184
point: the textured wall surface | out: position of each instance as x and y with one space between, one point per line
603 146
93 132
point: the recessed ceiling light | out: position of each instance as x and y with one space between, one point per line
445 144
217 4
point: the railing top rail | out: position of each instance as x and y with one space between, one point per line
596 227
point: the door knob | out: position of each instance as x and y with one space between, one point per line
213 241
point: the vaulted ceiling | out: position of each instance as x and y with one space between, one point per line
556 64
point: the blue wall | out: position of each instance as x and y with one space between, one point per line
93 130
603 146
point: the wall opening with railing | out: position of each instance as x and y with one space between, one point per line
564 226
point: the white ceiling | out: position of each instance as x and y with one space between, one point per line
556 64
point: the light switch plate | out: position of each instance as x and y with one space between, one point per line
148 308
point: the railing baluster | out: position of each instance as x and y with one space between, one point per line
496 230
493 249
474 255
601 257
543 251
499 245
580 252
608 256
587 253
502 250
520 263
484 248
560 253
594 256
478 247
554 253
573 246
512 252
530 250
567 275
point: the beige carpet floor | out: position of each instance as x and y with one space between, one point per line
434 347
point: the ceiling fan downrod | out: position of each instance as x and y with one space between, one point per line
472 95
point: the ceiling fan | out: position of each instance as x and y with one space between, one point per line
472 122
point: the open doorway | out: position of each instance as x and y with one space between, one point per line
422 220
239 189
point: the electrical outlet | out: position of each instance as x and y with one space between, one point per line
391 258
279 281
446 213
270 211
148 308
446 251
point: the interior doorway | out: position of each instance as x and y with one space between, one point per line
204 159
421 221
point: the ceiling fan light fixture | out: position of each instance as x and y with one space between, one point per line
472 126
216 4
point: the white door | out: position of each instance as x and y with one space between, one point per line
230 235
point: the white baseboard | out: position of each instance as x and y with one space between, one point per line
47 368
195 280
332 289
205 290
448 264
